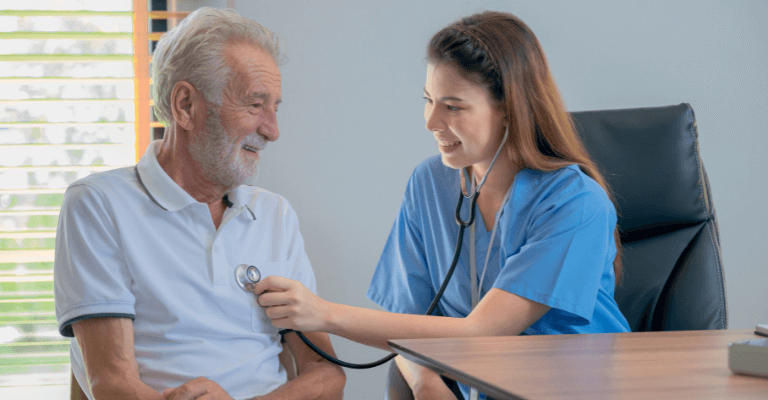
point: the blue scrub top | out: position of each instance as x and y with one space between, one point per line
554 246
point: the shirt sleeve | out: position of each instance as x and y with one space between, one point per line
90 276
401 282
562 261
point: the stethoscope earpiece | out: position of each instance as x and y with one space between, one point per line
247 276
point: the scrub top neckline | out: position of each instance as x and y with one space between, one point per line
483 235
477 288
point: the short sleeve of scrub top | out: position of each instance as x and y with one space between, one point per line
402 282
555 246
561 253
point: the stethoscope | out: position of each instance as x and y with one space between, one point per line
247 276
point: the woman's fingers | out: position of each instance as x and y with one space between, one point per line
273 284
289 304
270 299
277 312
284 317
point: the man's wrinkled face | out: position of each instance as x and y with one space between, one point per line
240 128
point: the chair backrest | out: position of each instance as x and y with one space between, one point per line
673 275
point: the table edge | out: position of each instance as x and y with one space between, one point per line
454 374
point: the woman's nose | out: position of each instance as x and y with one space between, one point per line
434 122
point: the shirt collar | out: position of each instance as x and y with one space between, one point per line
161 188
241 196
170 196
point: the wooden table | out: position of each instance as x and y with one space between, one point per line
647 365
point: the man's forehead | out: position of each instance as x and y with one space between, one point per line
251 56
256 72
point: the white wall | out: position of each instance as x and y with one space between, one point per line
352 125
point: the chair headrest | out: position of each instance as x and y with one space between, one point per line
650 160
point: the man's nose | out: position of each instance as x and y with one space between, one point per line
268 127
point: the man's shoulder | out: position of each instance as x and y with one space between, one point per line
111 180
108 185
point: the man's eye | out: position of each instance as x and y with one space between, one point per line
257 105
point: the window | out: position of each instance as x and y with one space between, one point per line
74 100
66 111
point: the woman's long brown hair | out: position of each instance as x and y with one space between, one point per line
498 51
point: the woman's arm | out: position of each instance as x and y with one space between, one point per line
290 305
424 383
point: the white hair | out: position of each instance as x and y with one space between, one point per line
193 52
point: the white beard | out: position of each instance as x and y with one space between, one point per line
221 158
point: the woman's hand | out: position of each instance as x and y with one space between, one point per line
290 305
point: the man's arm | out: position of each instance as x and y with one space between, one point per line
317 378
110 361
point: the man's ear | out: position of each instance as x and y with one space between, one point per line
186 103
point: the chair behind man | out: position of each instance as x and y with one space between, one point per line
673 275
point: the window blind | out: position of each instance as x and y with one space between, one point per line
66 111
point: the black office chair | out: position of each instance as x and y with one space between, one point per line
673 273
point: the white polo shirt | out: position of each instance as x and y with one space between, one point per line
132 243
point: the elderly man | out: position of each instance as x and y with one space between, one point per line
146 255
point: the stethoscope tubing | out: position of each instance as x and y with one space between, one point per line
456 254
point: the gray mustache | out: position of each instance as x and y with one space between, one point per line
256 141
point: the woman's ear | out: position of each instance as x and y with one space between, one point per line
185 104
505 121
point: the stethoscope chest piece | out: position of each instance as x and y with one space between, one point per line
247 276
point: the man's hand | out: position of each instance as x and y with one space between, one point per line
291 305
198 388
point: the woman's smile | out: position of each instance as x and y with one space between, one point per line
447 146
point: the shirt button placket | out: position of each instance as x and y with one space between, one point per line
218 264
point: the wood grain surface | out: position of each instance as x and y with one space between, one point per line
647 365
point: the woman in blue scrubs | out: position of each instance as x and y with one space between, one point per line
545 241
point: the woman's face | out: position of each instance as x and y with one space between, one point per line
467 124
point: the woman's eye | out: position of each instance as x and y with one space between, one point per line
427 99
453 108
